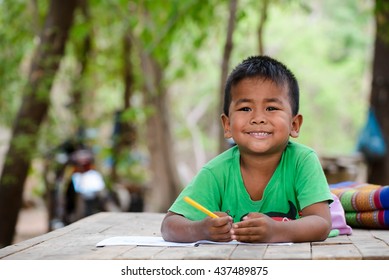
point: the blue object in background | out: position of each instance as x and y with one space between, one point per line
371 142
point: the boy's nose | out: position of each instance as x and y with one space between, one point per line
258 118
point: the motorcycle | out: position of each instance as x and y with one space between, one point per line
79 190
85 190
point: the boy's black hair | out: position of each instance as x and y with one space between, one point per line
266 68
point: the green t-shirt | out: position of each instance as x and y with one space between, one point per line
297 182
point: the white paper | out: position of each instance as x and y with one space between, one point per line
158 241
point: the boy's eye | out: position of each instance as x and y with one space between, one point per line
245 109
271 108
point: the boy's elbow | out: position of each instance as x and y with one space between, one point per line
164 230
327 226
166 234
167 227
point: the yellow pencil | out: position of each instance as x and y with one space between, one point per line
200 207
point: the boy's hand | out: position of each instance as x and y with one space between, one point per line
218 229
255 227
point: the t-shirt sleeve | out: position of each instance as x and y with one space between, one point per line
205 190
312 186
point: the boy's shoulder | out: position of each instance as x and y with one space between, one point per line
228 157
296 151
298 148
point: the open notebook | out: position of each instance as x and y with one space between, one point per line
158 241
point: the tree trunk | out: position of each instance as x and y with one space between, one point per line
164 185
261 26
223 144
378 171
33 110
82 51
125 134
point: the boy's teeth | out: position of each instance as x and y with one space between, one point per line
259 133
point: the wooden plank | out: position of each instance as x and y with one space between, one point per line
372 244
78 240
21 246
26 244
244 252
210 252
47 252
147 224
176 253
340 239
361 235
336 252
63 247
373 250
117 223
140 253
296 251
108 253
381 235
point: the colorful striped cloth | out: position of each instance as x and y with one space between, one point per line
365 205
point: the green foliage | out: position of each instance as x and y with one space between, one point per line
381 11
15 47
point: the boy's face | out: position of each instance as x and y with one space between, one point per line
260 117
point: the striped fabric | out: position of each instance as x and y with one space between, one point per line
365 205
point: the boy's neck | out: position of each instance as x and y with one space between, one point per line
262 162
257 172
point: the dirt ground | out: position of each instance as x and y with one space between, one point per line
32 222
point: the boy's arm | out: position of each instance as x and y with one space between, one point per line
314 225
177 228
317 222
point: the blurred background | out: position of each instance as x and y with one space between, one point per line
115 105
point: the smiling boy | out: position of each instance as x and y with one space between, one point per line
265 188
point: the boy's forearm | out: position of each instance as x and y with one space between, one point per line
310 228
176 228
314 225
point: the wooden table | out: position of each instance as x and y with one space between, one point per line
78 242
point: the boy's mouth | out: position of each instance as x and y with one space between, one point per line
259 134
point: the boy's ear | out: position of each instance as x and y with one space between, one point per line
297 121
226 126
